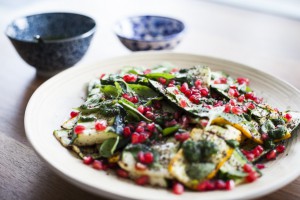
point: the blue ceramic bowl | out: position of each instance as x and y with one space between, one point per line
51 42
142 33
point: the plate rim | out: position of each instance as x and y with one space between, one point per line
105 193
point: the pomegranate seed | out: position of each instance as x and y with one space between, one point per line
194 99
122 173
260 166
101 125
151 127
149 115
147 108
134 99
162 80
142 180
227 108
236 110
223 80
256 152
204 92
135 138
250 156
126 131
264 136
97 164
271 155
202 186
79 129
198 83
232 102
148 158
141 167
247 168
141 109
147 71
88 160
74 114
233 86
188 93
229 185
178 188
220 185
210 185
140 157
182 136
259 148
241 98
139 129
184 87
142 124
280 148
101 76
242 80
126 96
183 103
233 92
130 78
249 95
250 106
252 176
288 117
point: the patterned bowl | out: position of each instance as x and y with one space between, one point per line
142 33
51 42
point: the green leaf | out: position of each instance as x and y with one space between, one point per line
160 75
108 147
170 130
143 92
110 91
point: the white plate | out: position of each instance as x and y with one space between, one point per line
51 104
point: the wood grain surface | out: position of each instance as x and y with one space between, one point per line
267 42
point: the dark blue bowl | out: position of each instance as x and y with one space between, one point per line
51 42
142 33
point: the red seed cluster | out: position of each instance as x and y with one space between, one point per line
194 93
133 99
254 153
139 132
271 155
130 78
252 175
101 125
209 185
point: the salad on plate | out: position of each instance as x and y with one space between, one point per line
190 128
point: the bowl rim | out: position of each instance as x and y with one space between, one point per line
80 36
165 38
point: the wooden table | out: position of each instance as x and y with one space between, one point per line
267 42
